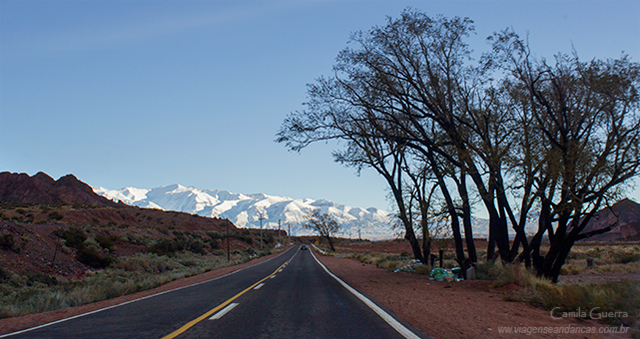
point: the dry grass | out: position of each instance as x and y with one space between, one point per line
20 295
386 261
622 297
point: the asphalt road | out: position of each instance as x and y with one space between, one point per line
289 296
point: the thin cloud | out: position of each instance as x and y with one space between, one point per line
114 35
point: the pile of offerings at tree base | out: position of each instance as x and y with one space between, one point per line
437 274
441 274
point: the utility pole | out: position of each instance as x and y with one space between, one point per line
289 234
260 230
228 251
279 233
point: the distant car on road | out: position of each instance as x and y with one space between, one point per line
304 247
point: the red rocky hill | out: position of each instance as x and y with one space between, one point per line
42 189
40 215
624 215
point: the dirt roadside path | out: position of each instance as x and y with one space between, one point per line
465 309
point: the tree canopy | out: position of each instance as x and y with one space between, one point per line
518 135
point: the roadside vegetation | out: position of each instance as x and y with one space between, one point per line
35 293
59 256
615 302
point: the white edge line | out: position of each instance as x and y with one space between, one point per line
135 300
223 311
405 332
259 286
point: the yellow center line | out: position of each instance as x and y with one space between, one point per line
217 308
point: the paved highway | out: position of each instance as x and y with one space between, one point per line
289 296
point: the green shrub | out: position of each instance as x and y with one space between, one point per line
41 278
193 245
215 235
213 244
625 258
73 237
7 241
488 270
106 242
90 257
55 215
4 274
165 247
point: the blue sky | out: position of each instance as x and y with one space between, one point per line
151 93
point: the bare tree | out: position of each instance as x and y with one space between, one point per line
323 224
407 98
586 116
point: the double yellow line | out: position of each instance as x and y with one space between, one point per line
219 307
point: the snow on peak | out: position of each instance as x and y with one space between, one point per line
244 210
127 195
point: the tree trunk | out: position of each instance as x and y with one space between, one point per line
466 219
330 243
455 223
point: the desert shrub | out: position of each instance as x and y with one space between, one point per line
619 296
165 247
213 244
215 235
389 264
4 274
264 252
625 258
55 215
7 241
42 279
73 237
488 270
571 269
193 245
106 242
244 236
21 295
91 257
188 261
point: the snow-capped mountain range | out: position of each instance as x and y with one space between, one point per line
244 210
